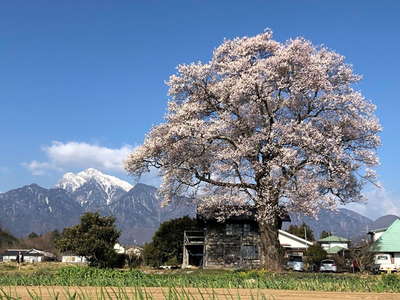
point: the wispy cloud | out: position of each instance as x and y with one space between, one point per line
79 155
40 168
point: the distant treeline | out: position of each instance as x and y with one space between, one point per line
43 242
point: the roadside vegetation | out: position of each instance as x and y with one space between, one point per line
89 276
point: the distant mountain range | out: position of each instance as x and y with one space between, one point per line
383 222
138 209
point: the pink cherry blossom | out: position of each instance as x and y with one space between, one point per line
274 125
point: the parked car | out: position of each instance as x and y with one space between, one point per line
328 265
295 263
384 262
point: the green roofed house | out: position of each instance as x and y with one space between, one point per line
387 246
334 244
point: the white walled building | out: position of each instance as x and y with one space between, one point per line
119 248
334 244
27 255
73 259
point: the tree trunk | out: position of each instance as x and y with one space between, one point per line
272 255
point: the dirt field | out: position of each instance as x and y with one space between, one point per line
160 293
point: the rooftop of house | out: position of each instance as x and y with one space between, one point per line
389 241
378 230
295 237
333 239
26 252
12 252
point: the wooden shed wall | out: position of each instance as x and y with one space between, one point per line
241 249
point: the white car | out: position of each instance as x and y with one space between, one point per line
384 262
295 263
328 265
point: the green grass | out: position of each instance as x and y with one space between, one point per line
28 268
86 276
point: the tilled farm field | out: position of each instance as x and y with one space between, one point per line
58 292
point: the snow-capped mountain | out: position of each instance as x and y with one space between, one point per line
141 199
139 212
93 188
137 209
93 197
70 182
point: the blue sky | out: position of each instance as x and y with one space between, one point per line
81 82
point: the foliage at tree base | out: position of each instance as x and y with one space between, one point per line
89 276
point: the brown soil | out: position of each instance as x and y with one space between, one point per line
159 293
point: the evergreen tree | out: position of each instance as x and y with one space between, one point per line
166 246
93 238
303 231
315 254
33 235
325 234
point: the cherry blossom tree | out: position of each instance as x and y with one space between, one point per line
277 126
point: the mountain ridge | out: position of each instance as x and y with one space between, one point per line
33 208
138 211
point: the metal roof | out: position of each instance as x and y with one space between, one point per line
389 241
14 252
295 237
333 238
26 252
378 230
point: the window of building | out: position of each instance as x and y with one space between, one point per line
216 252
232 254
229 229
237 229
246 229
249 252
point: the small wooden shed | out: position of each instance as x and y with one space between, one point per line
234 243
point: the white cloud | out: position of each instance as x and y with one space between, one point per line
380 202
79 155
67 156
40 168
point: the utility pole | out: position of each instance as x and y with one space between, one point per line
19 260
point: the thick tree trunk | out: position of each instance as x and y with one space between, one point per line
272 255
